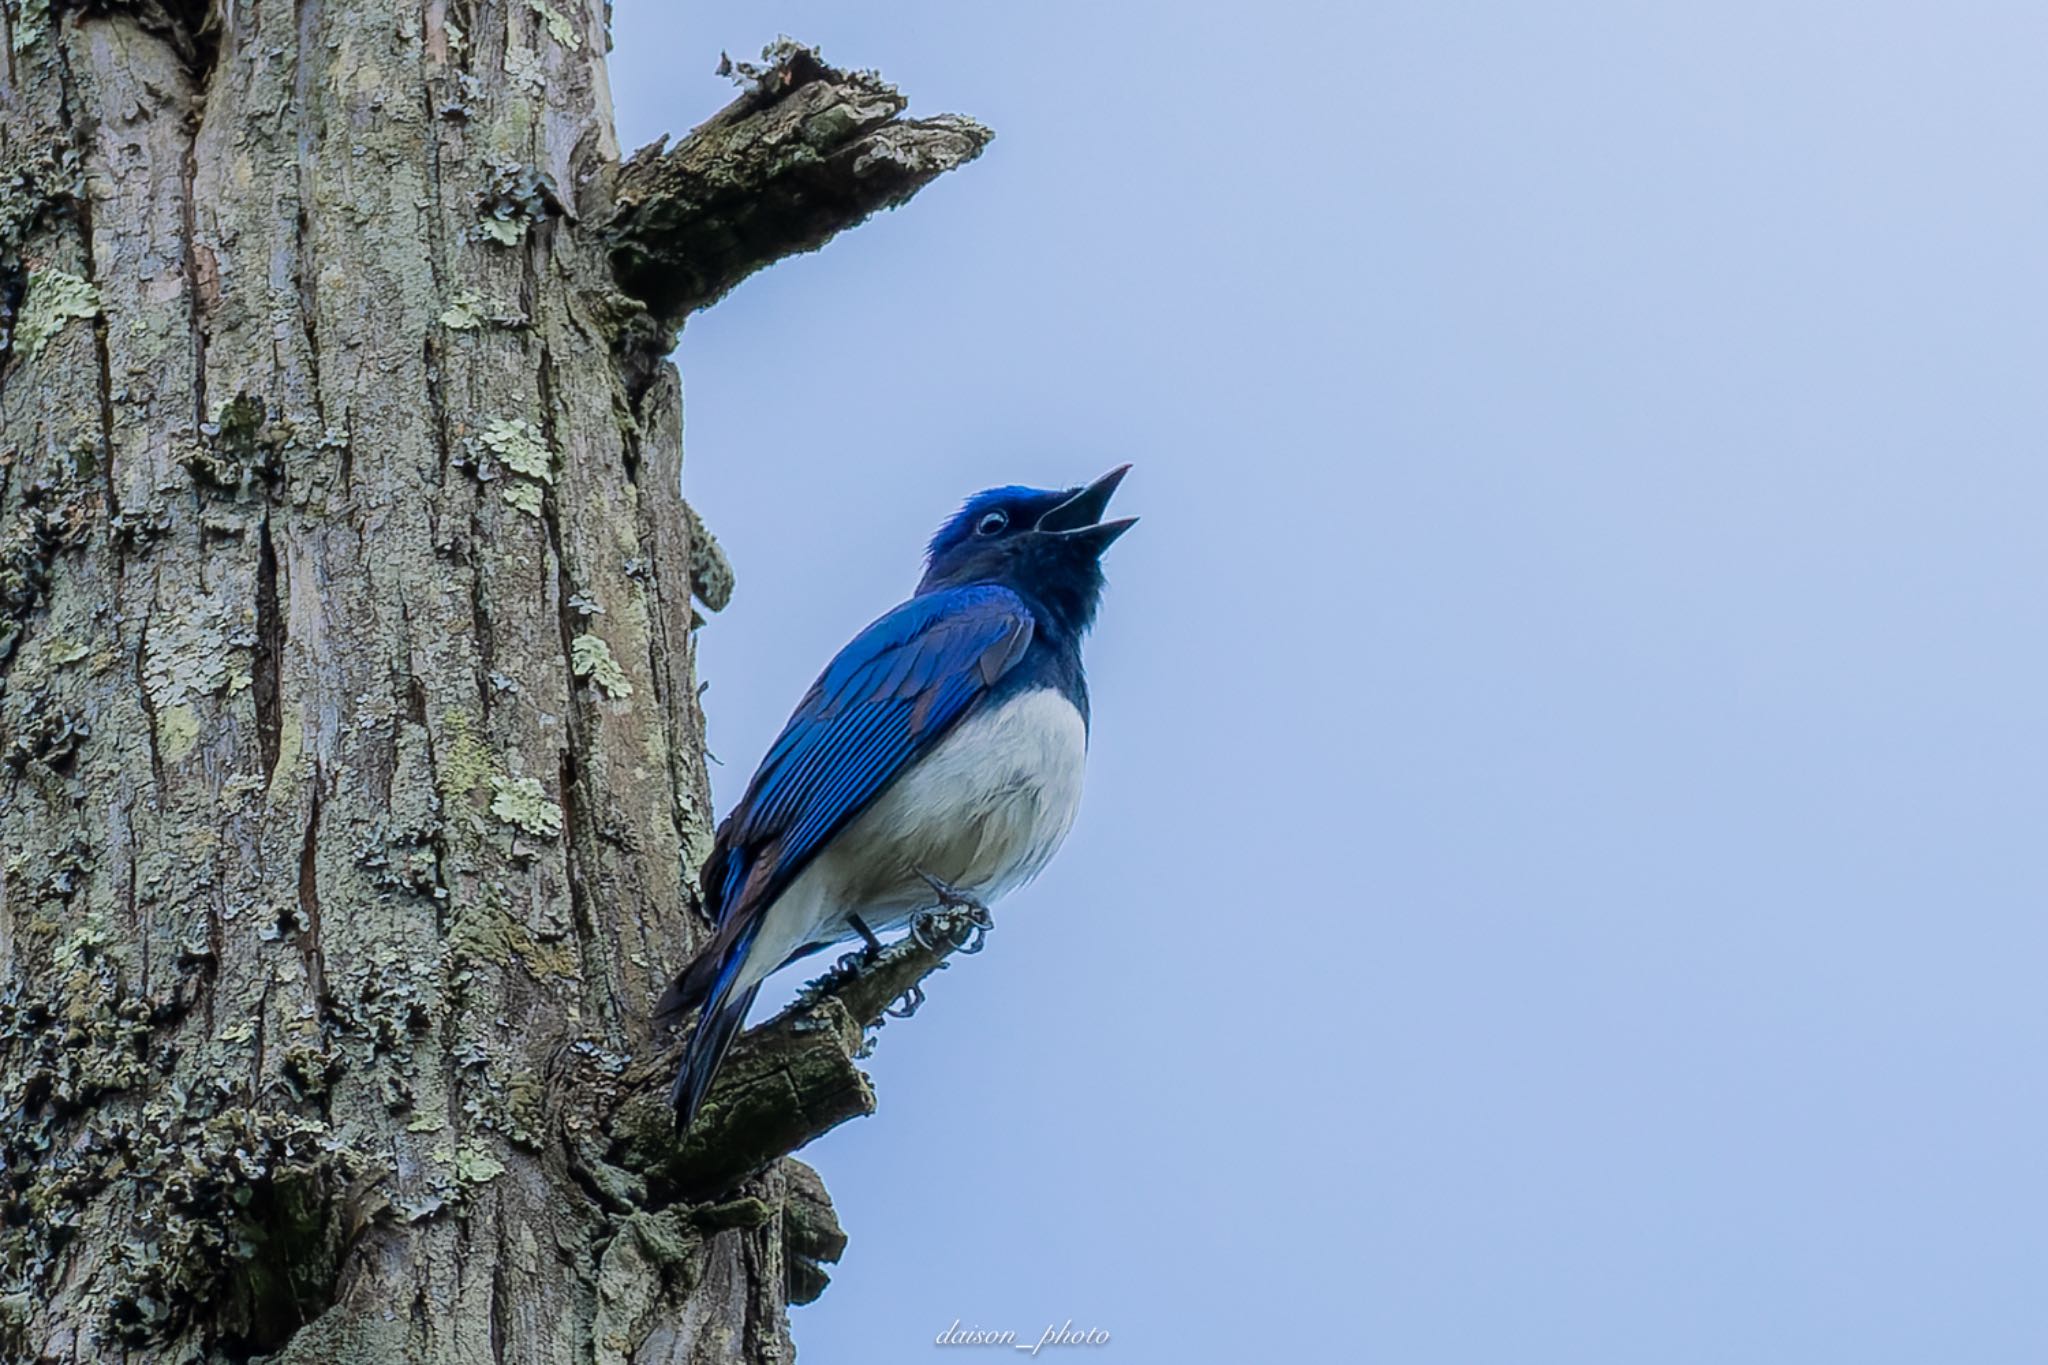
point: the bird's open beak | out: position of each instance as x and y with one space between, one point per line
1079 518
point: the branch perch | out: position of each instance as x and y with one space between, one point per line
786 1082
805 153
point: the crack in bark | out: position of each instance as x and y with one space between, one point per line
188 175
576 836
269 654
660 644
577 830
147 700
657 643
306 20
500 1311
347 471
436 248
479 614
437 405
103 355
128 902
416 711
308 930
262 1041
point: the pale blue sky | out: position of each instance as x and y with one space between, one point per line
1562 874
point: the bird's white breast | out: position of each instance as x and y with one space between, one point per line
989 805
984 811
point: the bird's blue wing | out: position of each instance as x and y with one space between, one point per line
888 697
884 700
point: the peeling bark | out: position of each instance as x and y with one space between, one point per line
351 767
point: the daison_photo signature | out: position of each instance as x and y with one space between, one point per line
1065 1334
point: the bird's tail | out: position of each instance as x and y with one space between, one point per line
724 1010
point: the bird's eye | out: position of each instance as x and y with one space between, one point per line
992 524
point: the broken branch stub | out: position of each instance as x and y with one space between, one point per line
805 153
787 1082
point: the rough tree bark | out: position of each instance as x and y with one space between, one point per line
351 779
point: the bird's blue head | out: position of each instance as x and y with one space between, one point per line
1044 543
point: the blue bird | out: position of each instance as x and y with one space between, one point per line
939 756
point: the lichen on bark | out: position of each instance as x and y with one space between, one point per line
52 298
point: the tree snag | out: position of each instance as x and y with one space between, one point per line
351 766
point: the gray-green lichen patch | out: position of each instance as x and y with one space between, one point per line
558 26
382 1008
523 66
519 448
62 1054
517 195
54 298
138 526
485 930
396 864
711 578
590 657
475 1165
504 230
243 443
312 1071
222 1209
58 512
34 182
470 311
465 313
466 763
194 653
30 19
522 450
25 554
45 732
523 803
523 497
243 1211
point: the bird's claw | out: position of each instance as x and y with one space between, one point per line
950 897
905 1004
975 938
962 922
963 930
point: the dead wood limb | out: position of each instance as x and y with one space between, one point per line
805 153
786 1082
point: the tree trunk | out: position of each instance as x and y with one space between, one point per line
353 779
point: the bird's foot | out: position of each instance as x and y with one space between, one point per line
961 921
962 928
905 1004
850 964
